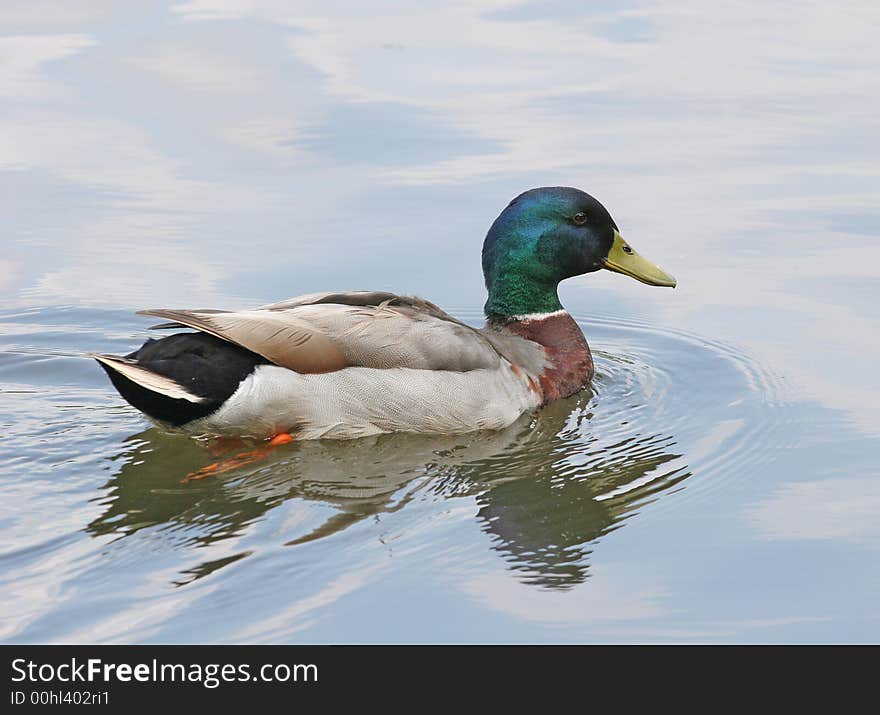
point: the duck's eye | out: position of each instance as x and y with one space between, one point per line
627 249
580 218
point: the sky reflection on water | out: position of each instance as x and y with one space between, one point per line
225 153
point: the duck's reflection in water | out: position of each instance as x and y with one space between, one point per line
546 488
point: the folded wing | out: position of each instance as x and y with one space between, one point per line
330 331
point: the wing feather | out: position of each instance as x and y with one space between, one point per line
280 338
323 332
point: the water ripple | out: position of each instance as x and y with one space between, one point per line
671 418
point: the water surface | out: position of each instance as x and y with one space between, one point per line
718 483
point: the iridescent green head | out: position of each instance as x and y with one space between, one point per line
545 236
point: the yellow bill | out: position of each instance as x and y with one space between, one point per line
622 258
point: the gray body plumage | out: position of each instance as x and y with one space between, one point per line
353 364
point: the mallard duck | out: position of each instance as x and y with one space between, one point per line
351 364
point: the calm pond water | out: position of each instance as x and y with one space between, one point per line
720 481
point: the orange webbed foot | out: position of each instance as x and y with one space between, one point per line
240 459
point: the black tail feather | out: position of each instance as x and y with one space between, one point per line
202 365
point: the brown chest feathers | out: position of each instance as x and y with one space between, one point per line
569 361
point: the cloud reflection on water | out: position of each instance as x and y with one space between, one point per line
235 152
217 123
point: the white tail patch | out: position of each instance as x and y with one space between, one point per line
147 378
